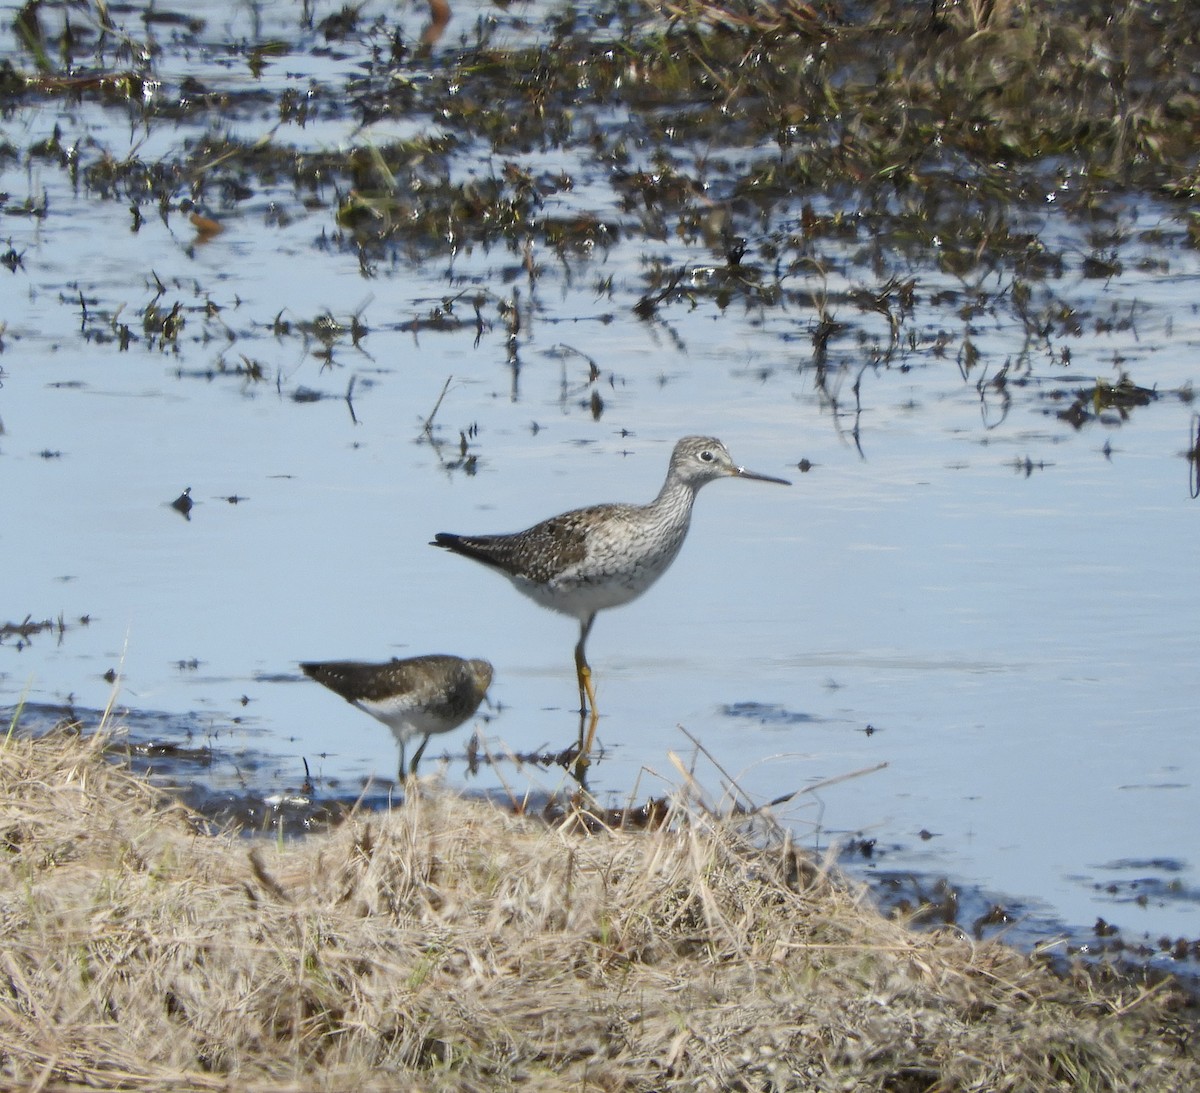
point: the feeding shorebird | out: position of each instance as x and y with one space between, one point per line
603 556
420 696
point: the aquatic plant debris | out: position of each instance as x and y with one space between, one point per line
862 167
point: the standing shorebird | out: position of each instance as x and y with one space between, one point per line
415 697
603 556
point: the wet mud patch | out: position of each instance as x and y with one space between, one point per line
927 900
197 761
250 790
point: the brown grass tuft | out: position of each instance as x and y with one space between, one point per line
448 945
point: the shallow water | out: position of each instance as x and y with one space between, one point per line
997 605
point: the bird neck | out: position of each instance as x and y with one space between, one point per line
674 500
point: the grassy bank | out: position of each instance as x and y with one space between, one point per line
450 945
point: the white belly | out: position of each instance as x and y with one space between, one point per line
619 567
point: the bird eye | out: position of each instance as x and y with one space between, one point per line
706 456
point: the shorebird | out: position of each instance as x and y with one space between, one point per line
420 696
590 559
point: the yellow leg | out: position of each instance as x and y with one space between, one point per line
582 754
587 698
593 720
587 709
583 673
585 680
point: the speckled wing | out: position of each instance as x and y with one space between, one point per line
418 677
354 680
538 554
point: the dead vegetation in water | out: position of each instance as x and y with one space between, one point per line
922 113
448 945
25 630
883 179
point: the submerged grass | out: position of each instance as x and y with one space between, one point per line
450 945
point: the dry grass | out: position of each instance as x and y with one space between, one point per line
449 945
